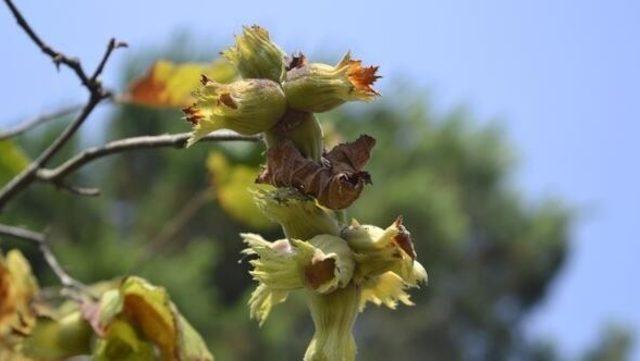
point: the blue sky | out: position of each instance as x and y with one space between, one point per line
561 76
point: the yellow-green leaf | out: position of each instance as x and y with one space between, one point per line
231 183
12 160
167 84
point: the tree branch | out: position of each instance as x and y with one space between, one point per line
34 122
40 239
28 175
57 57
22 233
113 44
96 95
145 142
76 190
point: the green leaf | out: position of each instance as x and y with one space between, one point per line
231 183
12 160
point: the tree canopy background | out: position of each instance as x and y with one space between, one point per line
491 252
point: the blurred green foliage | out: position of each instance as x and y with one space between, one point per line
12 161
491 253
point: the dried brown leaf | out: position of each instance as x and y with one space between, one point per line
336 181
296 61
363 77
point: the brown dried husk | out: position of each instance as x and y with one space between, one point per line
336 181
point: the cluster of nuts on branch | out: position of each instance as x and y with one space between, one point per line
277 96
340 266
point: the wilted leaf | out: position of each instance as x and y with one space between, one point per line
168 84
12 160
231 183
336 181
138 317
18 288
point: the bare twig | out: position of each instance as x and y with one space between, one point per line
57 57
96 95
34 122
113 44
76 190
36 169
64 277
28 175
22 233
40 239
122 145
